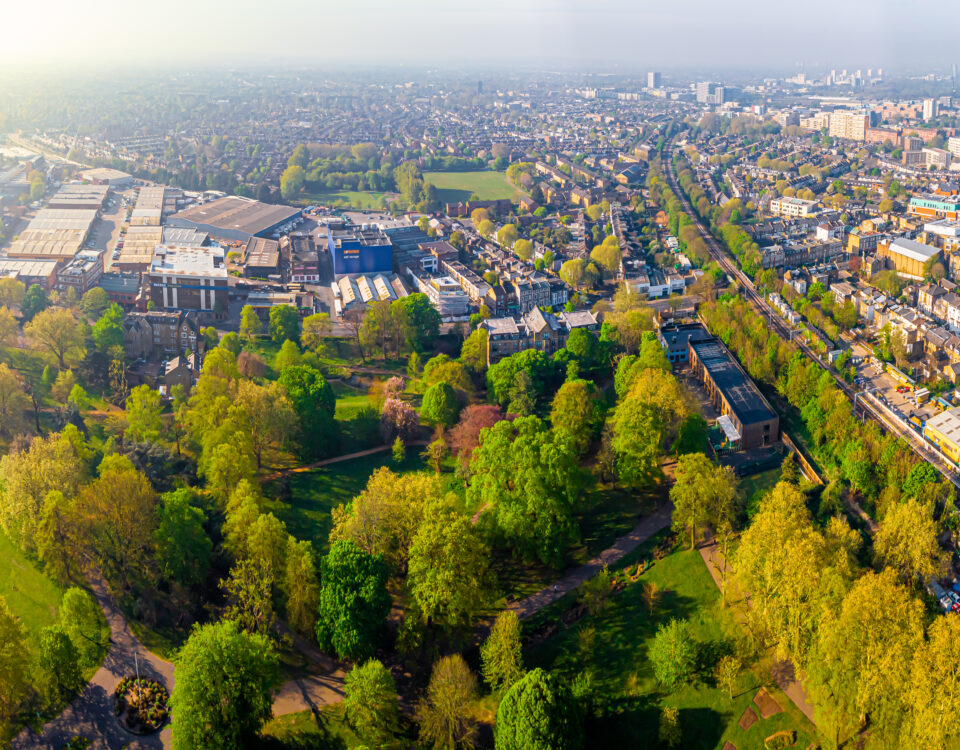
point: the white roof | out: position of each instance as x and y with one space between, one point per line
913 249
726 424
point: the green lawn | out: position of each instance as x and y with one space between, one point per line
459 186
303 730
630 697
304 501
351 198
755 486
31 596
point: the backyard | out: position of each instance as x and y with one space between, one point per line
453 187
620 669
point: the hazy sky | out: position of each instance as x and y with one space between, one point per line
591 34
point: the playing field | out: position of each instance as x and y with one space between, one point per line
460 186
351 198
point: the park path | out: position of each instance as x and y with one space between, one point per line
336 460
91 713
780 669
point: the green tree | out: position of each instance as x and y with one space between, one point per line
144 410
538 713
440 405
94 302
473 353
530 481
284 323
108 330
501 655
448 572
371 704
673 653
292 181
288 356
245 670
577 410
14 664
933 690
249 595
59 662
301 590
183 547
907 542
507 235
421 320
314 403
703 493
669 731
354 602
250 323
80 616
316 329
56 331
523 248
33 302
446 720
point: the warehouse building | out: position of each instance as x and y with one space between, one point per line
746 418
79 196
106 176
54 234
943 430
261 258
42 272
360 249
236 218
911 258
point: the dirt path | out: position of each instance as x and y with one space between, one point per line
781 670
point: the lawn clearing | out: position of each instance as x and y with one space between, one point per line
327 729
629 697
453 187
31 596
351 198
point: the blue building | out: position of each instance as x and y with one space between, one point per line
360 250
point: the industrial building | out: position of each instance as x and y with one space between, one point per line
675 337
746 418
360 249
106 176
236 218
261 257
189 278
154 204
54 234
80 274
943 430
79 196
42 272
909 257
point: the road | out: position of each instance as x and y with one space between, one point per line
871 407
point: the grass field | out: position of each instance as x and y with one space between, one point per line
31 596
352 198
623 675
755 486
328 730
459 186
313 495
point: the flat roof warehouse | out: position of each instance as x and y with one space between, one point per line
742 395
234 217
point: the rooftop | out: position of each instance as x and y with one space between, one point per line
738 390
188 261
238 214
913 249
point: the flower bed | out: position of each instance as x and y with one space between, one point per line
141 705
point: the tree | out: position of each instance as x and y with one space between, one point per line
80 617
251 366
284 323
443 368
371 704
446 720
703 493
538 713
264 415
108 330
300 157
288 356
398 419
501 656
398 451
12 292
933 690
507 235
8 328
33 302
94 302
384 518
473 353
578 412
314 404
440 405
465 435
301 589
14 403
523 248
59 663
448 572
673 653
907 542
144 420
608 256
118 511
245 670
354 602
669 731
728 673
573 272
250 323
316 329
14 664
421 320
292 181
183 547
530 481
56 331
248 592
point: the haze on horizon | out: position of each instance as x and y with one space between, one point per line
64 35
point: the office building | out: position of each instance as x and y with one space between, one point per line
80 274
796 207
746 418
930 109
709 92
653 80
849 125
935 206
189 278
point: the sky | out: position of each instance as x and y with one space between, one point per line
597 35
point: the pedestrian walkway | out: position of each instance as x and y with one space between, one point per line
336 460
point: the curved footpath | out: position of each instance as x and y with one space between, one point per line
91 713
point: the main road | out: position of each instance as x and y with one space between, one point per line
760 304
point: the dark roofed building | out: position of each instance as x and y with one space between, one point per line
234 218
746 417
261 257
